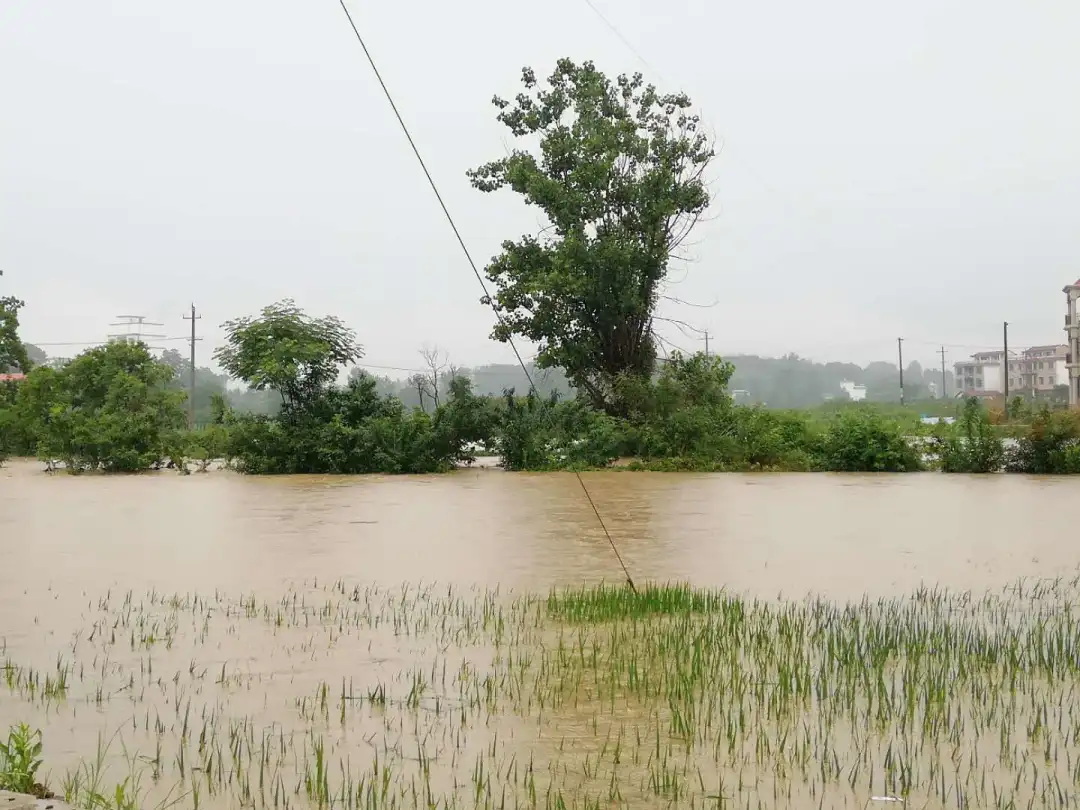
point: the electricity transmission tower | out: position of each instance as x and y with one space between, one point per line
135 332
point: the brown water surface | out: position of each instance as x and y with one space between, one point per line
838 535
241 598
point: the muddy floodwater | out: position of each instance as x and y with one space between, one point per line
225 641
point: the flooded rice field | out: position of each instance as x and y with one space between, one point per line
839 641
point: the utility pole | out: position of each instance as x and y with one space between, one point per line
1005 366
191 390
900 352
944 389
706 344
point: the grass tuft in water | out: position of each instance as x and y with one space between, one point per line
615 603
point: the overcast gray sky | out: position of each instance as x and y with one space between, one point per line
886 169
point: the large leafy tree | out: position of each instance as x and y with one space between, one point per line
110 408
288 351
620 176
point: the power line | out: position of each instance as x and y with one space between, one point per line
990 347
472 264
91 342
622 39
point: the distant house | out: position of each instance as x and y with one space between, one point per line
855 391
12 377
937 420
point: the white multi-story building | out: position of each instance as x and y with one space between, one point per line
1072 328
981 374
1037 370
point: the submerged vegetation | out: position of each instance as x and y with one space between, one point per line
429 697
115 409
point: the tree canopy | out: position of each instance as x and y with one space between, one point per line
13 354
620 176
288 351
108 409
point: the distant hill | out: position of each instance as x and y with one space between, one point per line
777 382
37 356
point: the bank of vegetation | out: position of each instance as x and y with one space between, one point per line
116 408
620 175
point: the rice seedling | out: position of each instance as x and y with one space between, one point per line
581 698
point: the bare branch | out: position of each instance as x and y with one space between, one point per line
436 362
675 300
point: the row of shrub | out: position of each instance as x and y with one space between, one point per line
111 410
684 421
1048 445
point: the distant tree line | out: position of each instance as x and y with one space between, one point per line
797 382
428 388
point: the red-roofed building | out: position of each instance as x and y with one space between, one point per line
12 377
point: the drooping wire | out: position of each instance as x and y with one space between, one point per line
476 271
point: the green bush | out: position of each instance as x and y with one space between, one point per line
685 420
862 441
108 409
687 413
7 434
353 430
774 440
973 447
525 435
205 445
1051 445
16 434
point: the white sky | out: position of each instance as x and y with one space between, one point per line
910 169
